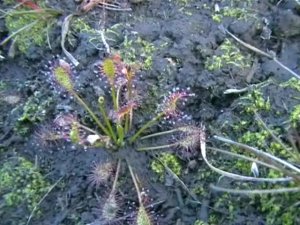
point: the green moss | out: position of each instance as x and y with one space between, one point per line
255 101
34 111
137 51
28 27
168 159
292 83
80 25
295 116
3 85
181 2
233 9
255 139
134 50
236 13
279 209
21 184
8 2
230 55
201 188
200 222
263 140
229 205
275 209
242 125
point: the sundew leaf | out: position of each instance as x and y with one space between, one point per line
109 69
74 134
62 77
142 217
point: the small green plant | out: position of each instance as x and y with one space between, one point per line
280 210
137 51
80 26
295 116
230 55
234 10
200 222
237 13
292 83
34 111
21 184
3 85
255 101
170 160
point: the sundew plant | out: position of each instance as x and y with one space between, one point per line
112 125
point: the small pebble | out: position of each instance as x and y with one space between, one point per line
11 99
192 164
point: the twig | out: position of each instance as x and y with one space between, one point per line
64 32
113 7
259 119
116 177
250 87
101 31
48 38
236 176
270 56
105 42
159 134
259 153
42 199
151 148
133 176
255 191
175 177
244 157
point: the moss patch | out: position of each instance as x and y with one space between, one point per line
29 27
34 111
21 186
244 127
169 160
295 116
229 55
239 10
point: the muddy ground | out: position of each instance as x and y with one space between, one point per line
185 36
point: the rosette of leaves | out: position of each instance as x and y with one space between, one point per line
117 109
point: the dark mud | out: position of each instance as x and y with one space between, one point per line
189 36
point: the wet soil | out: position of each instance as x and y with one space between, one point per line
189 36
